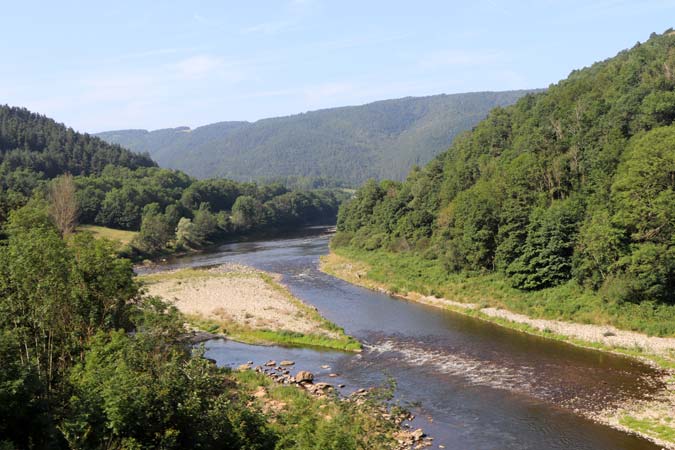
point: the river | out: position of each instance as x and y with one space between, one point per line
471 384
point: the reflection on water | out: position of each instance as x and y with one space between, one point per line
479 386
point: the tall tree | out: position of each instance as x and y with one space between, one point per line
63 204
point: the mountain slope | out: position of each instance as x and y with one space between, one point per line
381 140
37 143
572 185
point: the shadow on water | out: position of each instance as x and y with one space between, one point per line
479 386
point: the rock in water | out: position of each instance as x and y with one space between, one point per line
286 363
305 376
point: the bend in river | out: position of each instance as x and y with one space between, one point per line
472 384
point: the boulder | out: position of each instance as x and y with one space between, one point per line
271 363
304 376
286 363
417 434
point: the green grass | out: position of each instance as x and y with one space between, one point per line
243 333
655 428
124 237
406 272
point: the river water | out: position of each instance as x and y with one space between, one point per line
471 384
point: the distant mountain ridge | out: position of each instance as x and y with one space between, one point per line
353 143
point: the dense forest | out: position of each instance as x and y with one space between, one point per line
29 141
113 187
349 144
572 186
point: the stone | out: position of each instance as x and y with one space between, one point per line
271 363
260 392
305 376
286 363
243 367
417 434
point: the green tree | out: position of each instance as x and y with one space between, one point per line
546 259
247 213
155 233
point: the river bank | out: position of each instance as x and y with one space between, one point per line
247 305
651 418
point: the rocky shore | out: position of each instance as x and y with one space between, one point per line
282 373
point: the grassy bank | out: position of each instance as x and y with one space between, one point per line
406 272
249 329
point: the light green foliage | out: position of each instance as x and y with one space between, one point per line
185 232
246 212
155 234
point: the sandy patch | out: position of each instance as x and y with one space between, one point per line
235 294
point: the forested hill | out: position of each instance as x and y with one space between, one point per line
572 185
36 143
378 140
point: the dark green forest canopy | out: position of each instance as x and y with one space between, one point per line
348 144
34 142
575 183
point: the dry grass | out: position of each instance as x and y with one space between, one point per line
124 237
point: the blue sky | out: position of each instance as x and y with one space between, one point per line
138 64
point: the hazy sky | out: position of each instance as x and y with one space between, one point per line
139 64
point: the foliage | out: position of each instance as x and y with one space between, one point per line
575 182
138 392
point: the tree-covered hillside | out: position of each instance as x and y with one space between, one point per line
350 144
572 185
89 181
34 142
